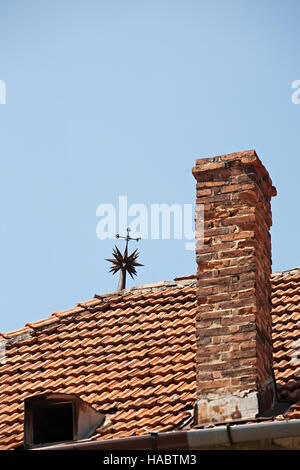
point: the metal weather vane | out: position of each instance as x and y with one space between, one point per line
124 263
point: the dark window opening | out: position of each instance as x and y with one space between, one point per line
58 417
52 423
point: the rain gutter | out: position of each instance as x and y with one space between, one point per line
193 439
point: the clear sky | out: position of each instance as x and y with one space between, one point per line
119 97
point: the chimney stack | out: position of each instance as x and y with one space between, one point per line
234 329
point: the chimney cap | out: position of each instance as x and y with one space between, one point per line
246 157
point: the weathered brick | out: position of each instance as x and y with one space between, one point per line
248 344
212 199
212 331
237 320
233 322
247 196
204 376
217 247
209 166
239 220
236 187
215 366
239 337
236 155
237 236
213 385
203 192
237 373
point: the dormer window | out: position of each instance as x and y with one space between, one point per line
55 418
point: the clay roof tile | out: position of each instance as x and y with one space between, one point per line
133 351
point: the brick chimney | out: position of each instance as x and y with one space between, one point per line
234 343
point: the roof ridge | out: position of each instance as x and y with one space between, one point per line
286 272
152 287
28 330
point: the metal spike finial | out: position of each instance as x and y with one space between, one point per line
124 263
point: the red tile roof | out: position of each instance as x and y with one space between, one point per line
286 332
131 355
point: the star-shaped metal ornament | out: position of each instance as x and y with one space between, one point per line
124 263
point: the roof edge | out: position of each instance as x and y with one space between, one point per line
192 439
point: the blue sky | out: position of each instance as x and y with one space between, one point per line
109 98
